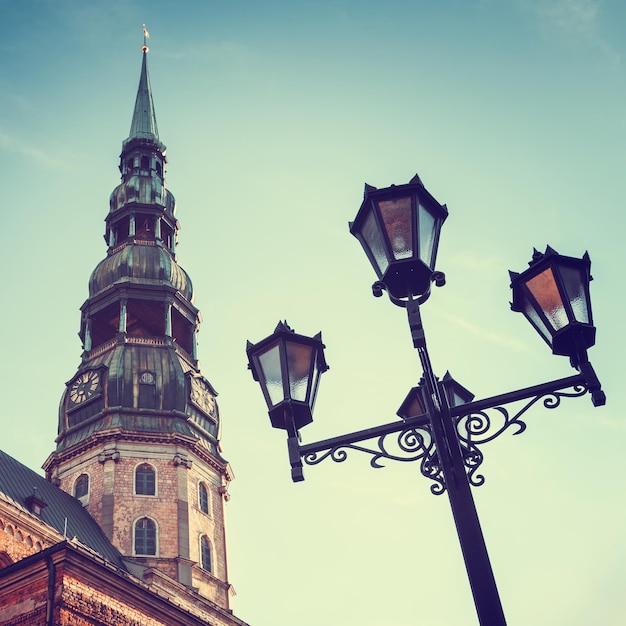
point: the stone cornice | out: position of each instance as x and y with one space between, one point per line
102 438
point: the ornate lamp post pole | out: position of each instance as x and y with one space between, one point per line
441 426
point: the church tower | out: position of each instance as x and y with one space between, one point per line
138 435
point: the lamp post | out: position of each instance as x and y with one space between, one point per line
441 425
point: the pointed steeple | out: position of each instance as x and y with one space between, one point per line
144 123
138 408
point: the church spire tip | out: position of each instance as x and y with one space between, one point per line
144 124
146 36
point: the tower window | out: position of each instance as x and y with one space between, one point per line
145 480
203 498
183 330
205 554
145 532
81 488
166 236
105 324
121 230
145 318
145 226
145 163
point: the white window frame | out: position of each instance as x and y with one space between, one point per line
156 481
156 539
211 554
208 496
84 500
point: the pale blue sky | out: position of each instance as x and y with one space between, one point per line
275 114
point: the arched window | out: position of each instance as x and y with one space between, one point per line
5 560
145 532
145 480
205 554
81 488
203 498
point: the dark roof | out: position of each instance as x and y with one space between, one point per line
63 512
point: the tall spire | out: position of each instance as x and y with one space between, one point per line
138 404
144 123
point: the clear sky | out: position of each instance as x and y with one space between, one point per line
275 114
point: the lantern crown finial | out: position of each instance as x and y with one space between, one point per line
539 256
368 189
283 327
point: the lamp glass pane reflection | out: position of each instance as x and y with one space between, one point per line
373 243
272 374
298 366
544 289
575 288
396 215
427 233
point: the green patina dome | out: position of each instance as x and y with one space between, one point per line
149 265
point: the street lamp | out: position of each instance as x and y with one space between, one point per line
415 404
398 228
441 425
288 367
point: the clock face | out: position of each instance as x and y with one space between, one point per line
202 397
85 387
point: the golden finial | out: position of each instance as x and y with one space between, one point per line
146 36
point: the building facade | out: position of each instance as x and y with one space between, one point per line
128 525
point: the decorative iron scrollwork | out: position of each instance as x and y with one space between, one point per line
415 443
410 444
482 426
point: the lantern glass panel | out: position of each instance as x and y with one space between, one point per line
413 405
454 399
299 367
426 235
537 320
574 287
544 289
315 383
396 214
416 408
272 375
373 240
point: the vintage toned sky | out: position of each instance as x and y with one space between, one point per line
275 114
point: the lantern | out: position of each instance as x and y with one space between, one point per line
553 294
398 228
288 367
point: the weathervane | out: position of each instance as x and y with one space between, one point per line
146 36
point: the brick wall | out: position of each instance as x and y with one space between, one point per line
17 541
175 508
